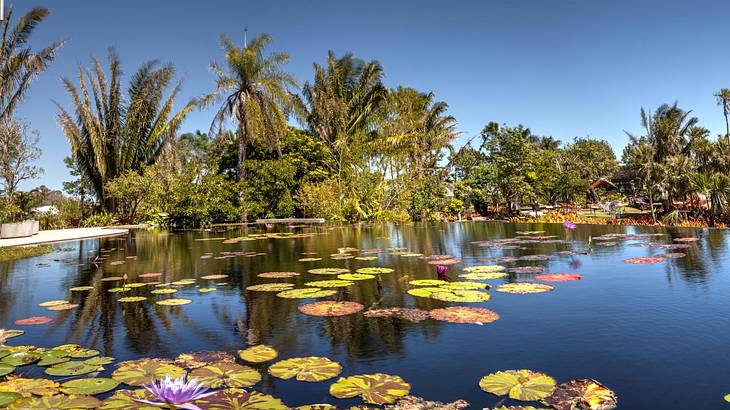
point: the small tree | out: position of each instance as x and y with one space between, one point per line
18 150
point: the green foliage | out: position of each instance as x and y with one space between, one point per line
100 220
427 199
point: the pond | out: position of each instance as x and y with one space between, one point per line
656 334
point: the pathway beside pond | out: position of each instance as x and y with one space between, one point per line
62 235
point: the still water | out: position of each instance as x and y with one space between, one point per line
657 334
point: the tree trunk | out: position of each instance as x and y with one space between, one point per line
241 174
712 212
651 206
727 128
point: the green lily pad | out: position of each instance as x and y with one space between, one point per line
66 306
355 276
75 351
375 388
145 371
328 271
366 258
523 288
163 291
135 285
81 288
89 386
72 368
258 354
53 303
526 385
6 334
309 259
240 399
225 374
469 296
484 268
306 369
337 283
483 275
183 282
174 302
427 282
270 287
306 293
6 369
374 270
8 397
132 299
125 400
51 358
206 290
465 286
194 360
59 401
424 292
28 387
21 358
119 290
99 361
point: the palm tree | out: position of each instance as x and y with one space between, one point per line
342 103
723 99
716 188
256 95
111 133
19 65
649 170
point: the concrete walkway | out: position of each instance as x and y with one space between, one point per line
62 235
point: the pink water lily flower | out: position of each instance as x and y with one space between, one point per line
569 225
179 393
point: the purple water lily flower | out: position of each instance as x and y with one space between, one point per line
178 393
569 225
442 270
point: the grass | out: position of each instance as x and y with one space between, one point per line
20 252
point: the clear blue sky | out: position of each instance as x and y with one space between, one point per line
563 68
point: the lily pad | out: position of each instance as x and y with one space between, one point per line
585 394
66 306
306 293
51 357
337 283
72 368
644 260
527 269
444 262
526 385
240 399
329 271
89 386
145 371
258 354
484 268
132 299
427 282
81 288
559 277
483 275
119 290
6 369
8 397
35 320
184 282
355 276
59 401
163 291
465 286
125 400
6 334
374 270
206 290
424 292
226 374
21 358
194 360
271 287
99 361
687 239
173 302
112 278
309 259
135 285
277 275
75 351
464 314
455 295
214 277
366 258
330 308
412 315
150 275
306 369
377 388
29 387
524 288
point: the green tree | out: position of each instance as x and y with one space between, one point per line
19 64
18 151
255 93
111 133
723 100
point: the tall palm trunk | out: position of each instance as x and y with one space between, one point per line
651 205
727 126
241 174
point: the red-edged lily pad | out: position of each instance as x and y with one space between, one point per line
35 320
644 260
559 277
330 308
